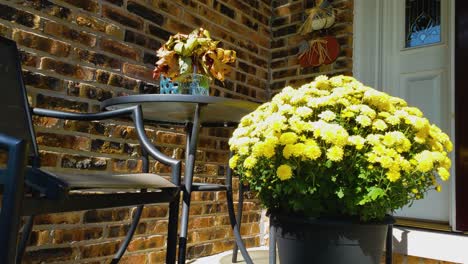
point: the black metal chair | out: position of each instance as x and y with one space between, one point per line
29 190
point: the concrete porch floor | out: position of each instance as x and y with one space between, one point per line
259 255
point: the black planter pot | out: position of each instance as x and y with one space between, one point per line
329 241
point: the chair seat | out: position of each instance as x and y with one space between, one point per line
114 181
55 184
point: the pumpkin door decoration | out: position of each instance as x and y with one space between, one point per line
320 50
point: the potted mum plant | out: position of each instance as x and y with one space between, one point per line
330 160
193 59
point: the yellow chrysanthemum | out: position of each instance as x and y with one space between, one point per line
393 176
363 120
288 138
233 161
312 150
250 162
284 172
379 124
327 115
335 153
443 173
304 111
357 141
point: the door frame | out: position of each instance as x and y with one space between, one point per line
368 57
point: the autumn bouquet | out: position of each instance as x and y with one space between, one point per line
335 147
193 53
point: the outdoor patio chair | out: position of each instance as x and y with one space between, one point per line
29 190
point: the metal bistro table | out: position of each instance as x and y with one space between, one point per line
193 111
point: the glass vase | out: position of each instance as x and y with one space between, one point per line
194 84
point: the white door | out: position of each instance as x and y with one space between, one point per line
397 49
416 67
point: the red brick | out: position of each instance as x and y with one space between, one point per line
83 162
107 215
42 81
157 257
137 71
98 59
99 250
38 42
49 159
119 49
28 59
62 218
63 141
88 5
81 37
78 72
18 16
73 235
152 211
127 166
146 243
88 91
51 254
91 22
145 12
138 259
122 18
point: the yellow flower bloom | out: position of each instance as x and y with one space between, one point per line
443 173
392 120
363 120
327 115
335 153
393 176
288 138
233 161
357 141
250 162
288 151
312 150
438 188
379 124
304 111
284 172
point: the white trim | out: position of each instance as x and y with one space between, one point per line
366 53
431 244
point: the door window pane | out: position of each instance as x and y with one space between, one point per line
422 22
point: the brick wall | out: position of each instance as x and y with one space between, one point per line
288 16
76 53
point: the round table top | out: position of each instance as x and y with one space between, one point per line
180 108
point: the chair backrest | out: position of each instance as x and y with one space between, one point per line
15 114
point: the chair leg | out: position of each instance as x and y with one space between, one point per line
240 206
272 245
24 238
10 214
171 251
184 227
389 245
235 228
128 237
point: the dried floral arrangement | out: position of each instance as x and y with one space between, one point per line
193 53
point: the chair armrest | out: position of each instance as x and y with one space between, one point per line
136 114
17 158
